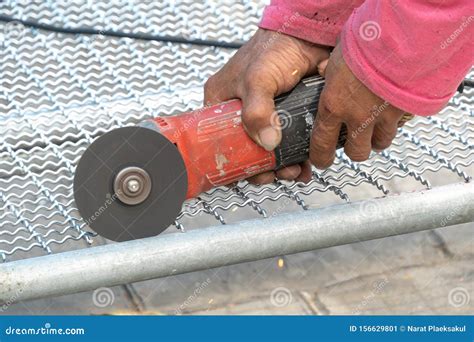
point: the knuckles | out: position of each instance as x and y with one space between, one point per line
210 85
319 154
381 144
321 163
330 103
383 137
318 145
358 156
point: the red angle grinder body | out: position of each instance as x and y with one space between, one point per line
214 146
131 182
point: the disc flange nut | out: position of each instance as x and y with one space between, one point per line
132 185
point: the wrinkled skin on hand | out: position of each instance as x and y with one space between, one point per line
271 64
371 122
268 65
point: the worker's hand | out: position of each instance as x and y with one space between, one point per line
269 64
371 122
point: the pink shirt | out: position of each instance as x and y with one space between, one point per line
413 54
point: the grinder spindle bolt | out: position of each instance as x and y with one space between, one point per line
132 185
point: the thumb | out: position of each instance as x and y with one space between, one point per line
322 67
260 119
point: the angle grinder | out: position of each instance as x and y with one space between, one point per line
131 182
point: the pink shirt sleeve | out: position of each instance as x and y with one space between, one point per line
316 21
413 54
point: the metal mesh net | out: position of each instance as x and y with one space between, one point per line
59 92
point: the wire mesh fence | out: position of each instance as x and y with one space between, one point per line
59 92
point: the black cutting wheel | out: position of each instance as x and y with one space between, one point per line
101 195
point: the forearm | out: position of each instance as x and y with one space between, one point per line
318 22
412 54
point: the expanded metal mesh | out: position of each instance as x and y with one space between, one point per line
59 92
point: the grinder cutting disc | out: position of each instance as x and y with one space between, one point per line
130 184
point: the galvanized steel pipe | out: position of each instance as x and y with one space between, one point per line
217 246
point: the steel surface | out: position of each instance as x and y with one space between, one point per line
217 246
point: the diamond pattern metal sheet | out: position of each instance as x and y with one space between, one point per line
59 92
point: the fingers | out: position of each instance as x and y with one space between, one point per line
262 178
306 173
219 88
385 130
325 134
322 67
300 172
258 108
358 142
289 173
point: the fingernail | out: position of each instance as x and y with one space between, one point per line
269 138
